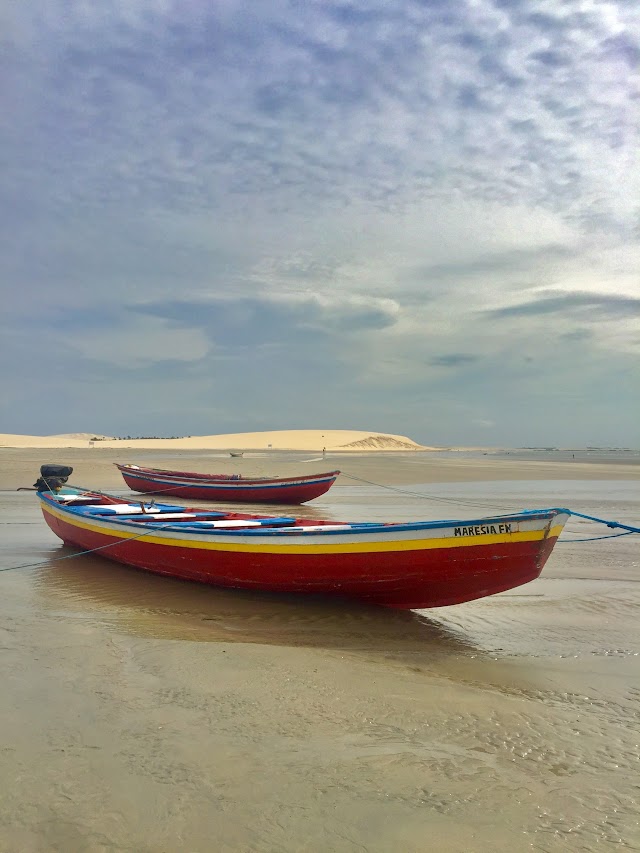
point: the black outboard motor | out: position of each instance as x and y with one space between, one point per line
52 477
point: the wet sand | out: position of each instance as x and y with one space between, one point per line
144 714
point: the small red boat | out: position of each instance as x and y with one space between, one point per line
408 565
234 488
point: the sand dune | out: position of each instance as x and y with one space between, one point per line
83 436
303 439
35 441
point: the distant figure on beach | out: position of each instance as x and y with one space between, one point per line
324 452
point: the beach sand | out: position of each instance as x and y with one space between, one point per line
144 714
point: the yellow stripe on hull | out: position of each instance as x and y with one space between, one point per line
311 548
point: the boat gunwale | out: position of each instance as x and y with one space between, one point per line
350 528
179 478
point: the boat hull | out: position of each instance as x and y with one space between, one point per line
410 573
292 490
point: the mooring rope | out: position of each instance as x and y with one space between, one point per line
84 553
425 496
628 529
596 538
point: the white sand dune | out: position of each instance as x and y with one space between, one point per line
334 440
83 436
74 439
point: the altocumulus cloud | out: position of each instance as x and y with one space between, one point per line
184 104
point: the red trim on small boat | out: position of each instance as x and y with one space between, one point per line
227 487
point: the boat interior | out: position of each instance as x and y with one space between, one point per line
110 508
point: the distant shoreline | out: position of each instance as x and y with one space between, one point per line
334 441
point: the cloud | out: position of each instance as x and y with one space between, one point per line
455 359
598 306
433 198
115 336
505 261
176 106
241 322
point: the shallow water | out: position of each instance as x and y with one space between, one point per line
145 714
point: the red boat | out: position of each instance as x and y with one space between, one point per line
408 565
233 488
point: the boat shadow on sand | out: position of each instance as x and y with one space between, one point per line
155 607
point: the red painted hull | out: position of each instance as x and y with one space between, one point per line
426 578
290 490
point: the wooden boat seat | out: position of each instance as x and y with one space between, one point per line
232 522
262 522
167 511
161 516
120 509
308 528
76 500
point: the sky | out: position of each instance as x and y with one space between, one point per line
413 217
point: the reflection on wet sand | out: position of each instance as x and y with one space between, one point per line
147 605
